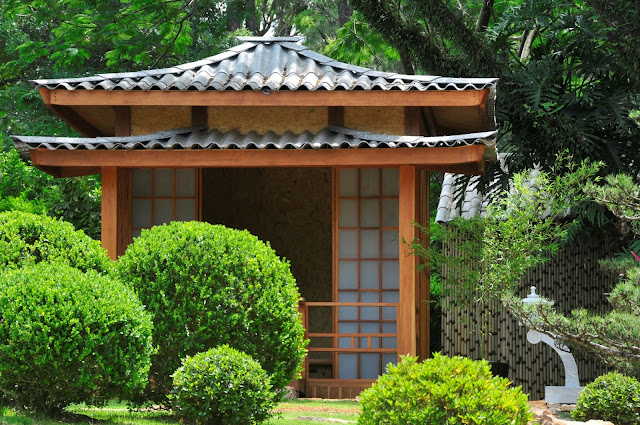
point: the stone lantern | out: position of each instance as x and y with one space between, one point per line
568 393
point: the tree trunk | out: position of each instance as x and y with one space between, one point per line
344 12
250 16
485 15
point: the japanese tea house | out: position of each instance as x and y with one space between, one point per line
326 160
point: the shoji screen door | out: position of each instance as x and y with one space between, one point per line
367 267
162 195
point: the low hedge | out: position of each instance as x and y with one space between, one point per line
208 285
222 386
443 390
70 337
26 239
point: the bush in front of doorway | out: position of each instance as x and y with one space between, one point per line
612 397
208 285
222 386
26 239
69 337
443 390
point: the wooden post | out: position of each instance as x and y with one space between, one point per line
116 196
424 306
116 210
408 215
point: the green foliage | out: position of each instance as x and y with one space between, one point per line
615 336
69 337
25 188
208 285
612 397
442 390
27 239
222 386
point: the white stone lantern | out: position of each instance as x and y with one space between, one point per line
556 394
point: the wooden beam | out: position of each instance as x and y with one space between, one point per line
116 210
426 158
199 116
76 121
412 121
408 215
336 115
123 121
258 98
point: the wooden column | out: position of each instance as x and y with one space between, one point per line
424 296
116 196
409 288
116 210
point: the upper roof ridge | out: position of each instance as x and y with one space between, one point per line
264 39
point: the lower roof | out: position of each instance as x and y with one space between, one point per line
200 147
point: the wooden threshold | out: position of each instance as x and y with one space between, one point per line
80 97
336 388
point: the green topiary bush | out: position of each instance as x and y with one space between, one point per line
30 238
442 390
612 397
222 386
69 337
209 285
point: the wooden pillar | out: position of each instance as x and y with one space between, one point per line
116 210
424 297
116 196
409 288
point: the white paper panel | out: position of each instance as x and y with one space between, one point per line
369 366
390 274
369 244
388 313
348 244
390 244
347 313
348 182
369 274
344 342
389 358
390 297
186 182
185 209
348 275
370 297
369 182
347 328
370 313
369 213
141 213
348 297
389 343
369 328
389 328
348 366
162 211
348 213
390 213
141 182
390 182
163 182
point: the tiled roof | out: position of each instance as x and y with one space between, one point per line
201 138
263 63
456 201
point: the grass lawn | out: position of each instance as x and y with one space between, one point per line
290 412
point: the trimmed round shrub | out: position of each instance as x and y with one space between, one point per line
30 238
208 285
612 397
70 337
443 390
222 386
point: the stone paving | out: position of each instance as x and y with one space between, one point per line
547 415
